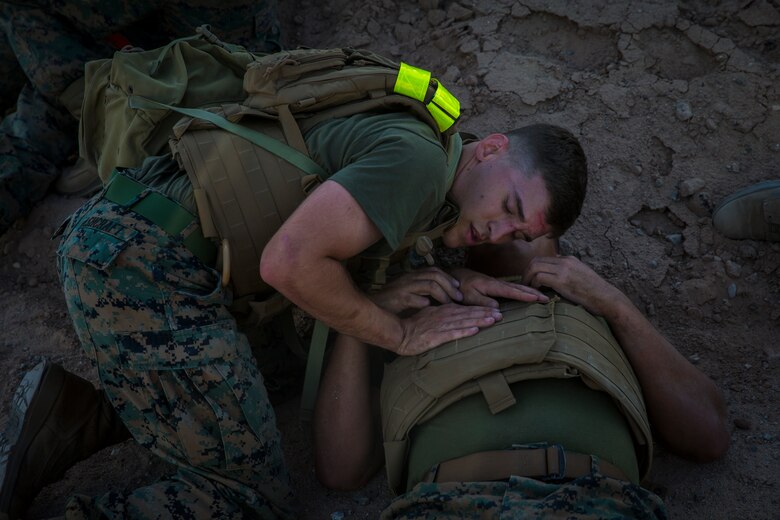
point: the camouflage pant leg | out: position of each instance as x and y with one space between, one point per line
154 321
590 497
50 51
35 141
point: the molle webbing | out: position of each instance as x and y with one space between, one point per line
245 187
243 192
533 341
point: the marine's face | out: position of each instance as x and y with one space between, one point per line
498 203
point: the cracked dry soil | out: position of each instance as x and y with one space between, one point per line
677 105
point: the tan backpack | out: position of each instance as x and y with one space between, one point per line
248 162
558 340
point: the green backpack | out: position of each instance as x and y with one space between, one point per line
196 71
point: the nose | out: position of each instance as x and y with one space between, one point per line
502 230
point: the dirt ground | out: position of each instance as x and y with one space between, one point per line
677 105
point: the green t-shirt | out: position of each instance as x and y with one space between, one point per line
392 164
556 411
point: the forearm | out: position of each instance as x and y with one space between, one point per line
346 440
323 288
685 407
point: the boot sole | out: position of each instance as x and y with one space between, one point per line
35 417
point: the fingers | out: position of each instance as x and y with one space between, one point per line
519 292
434 326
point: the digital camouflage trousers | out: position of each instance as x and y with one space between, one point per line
154 321
587 498
44 45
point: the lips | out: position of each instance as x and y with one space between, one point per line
475 237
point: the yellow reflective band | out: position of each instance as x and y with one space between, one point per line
444 107
412 82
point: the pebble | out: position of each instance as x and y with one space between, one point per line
32 281
733 269
694 358
775 147
459 13
733 167
732 290
682 110
337 515
16 265
690 186
743 424
675 238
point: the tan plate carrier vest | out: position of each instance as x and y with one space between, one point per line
243 191
533 341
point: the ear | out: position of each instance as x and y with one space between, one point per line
492 147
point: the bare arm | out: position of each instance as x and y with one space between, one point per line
347 443
303 261
685 407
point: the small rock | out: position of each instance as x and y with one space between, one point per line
436 17
32 281
682 110
743 424
733 167
733 269
16 265
337 515
459 13
690 186
519 11
675 238
694 358
653 264
732 290
767 436
775 147
700 204
711 124
650 308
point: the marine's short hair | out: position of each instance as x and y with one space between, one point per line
555 154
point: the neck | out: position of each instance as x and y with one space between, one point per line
466 162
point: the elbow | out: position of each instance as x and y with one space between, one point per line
274 270
715 446
336 475
713 440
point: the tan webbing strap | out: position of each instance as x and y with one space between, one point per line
496 391
292 132
552 462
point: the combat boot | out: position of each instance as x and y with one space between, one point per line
753 212
56 419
